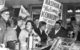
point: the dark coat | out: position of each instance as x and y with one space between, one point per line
61 33
2 29
43 35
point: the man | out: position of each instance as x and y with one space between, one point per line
5 15
57 31
41 32
19 24
36 22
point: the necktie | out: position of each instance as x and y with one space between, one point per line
44 36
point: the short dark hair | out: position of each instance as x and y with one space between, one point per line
73 19
5 10
32 23
14 21
42 23
58 22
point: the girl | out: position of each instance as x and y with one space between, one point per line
25 34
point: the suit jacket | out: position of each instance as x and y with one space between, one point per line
43 35
61 33
2 29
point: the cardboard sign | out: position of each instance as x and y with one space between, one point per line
50 11
23 12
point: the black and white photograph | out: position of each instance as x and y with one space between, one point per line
39 24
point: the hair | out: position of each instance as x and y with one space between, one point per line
5 10
32 23
58 22
73 19
42 23
19 18
14 21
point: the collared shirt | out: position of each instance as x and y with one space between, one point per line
56 31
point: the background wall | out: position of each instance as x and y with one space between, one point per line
27 2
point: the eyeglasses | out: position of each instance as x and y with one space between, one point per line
7 14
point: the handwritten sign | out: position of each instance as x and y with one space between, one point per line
50 11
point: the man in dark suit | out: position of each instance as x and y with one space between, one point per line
57 31
41 31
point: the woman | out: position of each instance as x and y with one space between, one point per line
10 37
25 34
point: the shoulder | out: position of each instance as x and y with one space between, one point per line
62 28
23 31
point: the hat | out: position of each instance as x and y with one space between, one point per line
59 22
4 9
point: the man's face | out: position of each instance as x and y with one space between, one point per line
5 15
43 27
20 23
57 26
36 21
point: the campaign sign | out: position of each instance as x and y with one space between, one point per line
50 11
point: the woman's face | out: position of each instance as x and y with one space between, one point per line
29 26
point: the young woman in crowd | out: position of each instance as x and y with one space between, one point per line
25 33
10 37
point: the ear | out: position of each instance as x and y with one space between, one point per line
2 14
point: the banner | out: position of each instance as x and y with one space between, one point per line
2 4
23 12
50 11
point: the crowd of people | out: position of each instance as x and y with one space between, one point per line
14 30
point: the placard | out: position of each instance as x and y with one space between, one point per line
23 12
50 11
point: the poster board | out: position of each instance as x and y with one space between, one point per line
23 12
50 11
